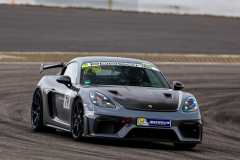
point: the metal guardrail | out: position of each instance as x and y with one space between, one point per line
229 8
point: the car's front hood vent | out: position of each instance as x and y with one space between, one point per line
113 92
144 98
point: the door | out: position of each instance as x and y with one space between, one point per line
63 94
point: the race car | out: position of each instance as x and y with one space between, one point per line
121 98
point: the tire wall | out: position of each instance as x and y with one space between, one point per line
229 8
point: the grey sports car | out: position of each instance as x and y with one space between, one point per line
118 98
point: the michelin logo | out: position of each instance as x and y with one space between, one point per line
159 122
144 123
153 122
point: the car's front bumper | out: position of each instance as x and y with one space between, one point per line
181 131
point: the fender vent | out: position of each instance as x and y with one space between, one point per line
50 104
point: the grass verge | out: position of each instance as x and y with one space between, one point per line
59 56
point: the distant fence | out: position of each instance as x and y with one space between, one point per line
229 8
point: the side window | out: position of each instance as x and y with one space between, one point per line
153 79
71 71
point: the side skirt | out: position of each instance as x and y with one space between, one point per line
52 126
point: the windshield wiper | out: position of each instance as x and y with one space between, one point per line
146 86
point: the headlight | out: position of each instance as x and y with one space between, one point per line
101 100
190 105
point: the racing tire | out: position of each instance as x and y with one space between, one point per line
37 111
77 120
184 146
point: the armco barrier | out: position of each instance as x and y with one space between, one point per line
229 8
199 7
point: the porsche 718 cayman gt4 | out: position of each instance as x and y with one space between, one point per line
118 98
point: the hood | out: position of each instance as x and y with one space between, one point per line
143 98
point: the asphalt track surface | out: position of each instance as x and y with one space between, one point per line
42 29
216 88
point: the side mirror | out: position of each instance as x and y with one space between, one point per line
64 80
177 85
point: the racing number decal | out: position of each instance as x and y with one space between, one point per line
95 69
66 102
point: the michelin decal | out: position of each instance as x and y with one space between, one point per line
153 122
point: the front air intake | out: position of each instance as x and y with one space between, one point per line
190 129
154 134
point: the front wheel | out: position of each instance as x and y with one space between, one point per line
184 146
77 120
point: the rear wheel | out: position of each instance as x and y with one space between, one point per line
77 120
184 146
36 111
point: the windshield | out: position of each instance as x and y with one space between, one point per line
122 75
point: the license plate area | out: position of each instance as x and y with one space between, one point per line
153 122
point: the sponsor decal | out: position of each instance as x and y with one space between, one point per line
95 66
88 110
87 82
142 122
146 64
153 122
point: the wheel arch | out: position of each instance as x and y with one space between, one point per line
74 100
38 87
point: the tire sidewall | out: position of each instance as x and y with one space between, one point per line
73 106
40 122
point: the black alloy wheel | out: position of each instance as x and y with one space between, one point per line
36 111
77 120
184 146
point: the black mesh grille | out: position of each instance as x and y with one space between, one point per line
109 127
145 133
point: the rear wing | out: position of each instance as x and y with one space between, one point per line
42 67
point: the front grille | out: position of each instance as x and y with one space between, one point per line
109 127
156 134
